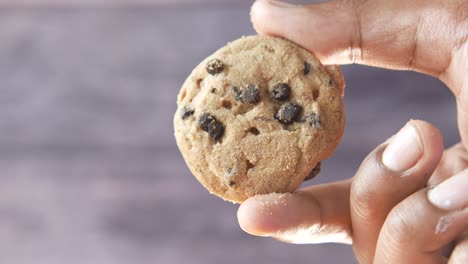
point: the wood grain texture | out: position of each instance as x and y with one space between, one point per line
89 169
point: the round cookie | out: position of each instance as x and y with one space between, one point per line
258 116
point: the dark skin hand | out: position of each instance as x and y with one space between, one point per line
408 202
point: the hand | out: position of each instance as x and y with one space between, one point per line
386 211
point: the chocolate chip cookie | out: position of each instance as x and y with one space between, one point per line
258 116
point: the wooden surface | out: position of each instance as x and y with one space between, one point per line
89 169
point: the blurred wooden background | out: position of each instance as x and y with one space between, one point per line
89 170
117 3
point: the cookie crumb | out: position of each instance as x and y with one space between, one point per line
281 92
288 113
270 200
214 66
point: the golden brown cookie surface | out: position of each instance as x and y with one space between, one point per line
257 116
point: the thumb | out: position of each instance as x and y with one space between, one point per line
317 27
427 36
417 35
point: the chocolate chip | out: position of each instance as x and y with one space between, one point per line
306 68
313 173
186 112
281 92
330 82
236 92
216 130
214 66
231 183
314 120
288 113
204 121
250 94
214 90
209 124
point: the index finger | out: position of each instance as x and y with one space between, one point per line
427 36
317 214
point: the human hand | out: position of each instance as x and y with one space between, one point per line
386 211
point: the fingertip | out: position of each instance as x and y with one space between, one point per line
254 11
407 141
268 16
305 25
261 215
248 217
259 13
419 141
431 139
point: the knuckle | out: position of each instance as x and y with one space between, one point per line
356 53
367 198
458 20
400 224
365 205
